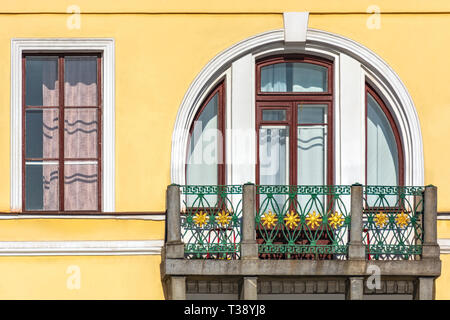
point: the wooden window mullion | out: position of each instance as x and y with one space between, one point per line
99 134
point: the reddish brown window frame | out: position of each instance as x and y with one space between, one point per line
401 169
290 100
61 107
220 90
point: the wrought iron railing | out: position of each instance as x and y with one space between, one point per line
303 222
393 222
211 218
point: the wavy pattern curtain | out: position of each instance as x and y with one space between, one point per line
311 155
80 133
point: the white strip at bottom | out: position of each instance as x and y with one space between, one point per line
81 248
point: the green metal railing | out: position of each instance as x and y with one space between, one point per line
211 220
393 222
303 222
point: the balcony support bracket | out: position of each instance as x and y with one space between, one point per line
424 288
249 288
355 288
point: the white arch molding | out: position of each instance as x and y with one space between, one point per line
324 43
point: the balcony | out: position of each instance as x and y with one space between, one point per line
252 239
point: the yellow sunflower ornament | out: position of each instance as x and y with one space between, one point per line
336 220
201 219
223 218
292 219
402 220
381 219
313 220
269 219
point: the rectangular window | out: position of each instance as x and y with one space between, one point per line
62 132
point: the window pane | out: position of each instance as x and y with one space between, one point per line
80 186
382 153
274 115
41 133
80 81
274 155
308 114
203 147
311 162
294 77
41 81
41 186
80 133
311 155
274 160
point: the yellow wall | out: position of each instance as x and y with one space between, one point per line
158 53
231 6
155 63
80 229
157 57
101 277
443 229
443 282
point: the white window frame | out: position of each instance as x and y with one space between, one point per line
107 47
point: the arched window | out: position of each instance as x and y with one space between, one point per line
298 116
294 117
384 153
205 154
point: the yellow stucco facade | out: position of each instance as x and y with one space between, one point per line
160 47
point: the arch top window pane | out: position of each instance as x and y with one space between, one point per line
203 147
382 152
294 77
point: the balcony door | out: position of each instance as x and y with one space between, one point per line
294 121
